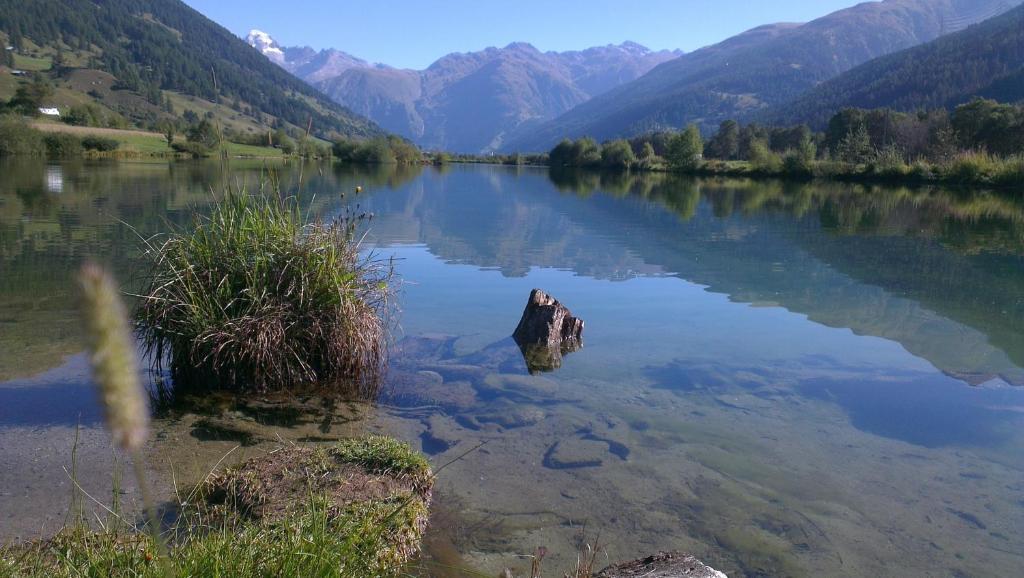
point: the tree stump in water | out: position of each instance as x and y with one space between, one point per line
546 332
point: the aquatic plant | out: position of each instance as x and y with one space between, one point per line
587 557
971 167
1011 171
257 296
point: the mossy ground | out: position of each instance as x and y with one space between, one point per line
357 509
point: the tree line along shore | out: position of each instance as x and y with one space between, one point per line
978 143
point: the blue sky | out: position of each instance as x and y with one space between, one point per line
414 33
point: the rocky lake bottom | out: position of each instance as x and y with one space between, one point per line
796 386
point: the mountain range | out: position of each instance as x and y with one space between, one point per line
984 60
148 60
903 54
766 66
467 102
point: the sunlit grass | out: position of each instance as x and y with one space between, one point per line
32 63
321 537
244 150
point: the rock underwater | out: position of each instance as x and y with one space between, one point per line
663 565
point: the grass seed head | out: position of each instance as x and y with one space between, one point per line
113 358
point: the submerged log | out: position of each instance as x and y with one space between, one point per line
662 565
546 332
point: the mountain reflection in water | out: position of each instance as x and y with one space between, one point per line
786 379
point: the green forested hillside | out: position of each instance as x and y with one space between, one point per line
762 68
151 46
983 60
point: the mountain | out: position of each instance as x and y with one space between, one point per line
983 60
163 51
467 102
762 67
306 63
267 46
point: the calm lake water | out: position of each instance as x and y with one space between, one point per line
784 379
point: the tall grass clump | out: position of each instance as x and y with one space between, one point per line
889 163
257 296
972 167
1011 171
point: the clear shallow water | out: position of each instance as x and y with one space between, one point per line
783 379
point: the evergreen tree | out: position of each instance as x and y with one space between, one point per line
726 143
561 155
204 134
168 129
750 134
855 147
173 48
807 152
59 62
30 97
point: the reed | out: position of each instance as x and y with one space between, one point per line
972 167
115 369
257 296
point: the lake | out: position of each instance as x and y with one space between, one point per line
786 379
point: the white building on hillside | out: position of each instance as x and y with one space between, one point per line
49 111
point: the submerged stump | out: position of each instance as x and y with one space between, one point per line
546 332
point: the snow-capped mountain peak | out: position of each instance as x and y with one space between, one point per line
266 44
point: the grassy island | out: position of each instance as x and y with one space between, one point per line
256 296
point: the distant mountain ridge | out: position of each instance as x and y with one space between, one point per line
467 102
986 59
154 48
309 64
766 66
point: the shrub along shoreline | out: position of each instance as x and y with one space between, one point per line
979 143
976 169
